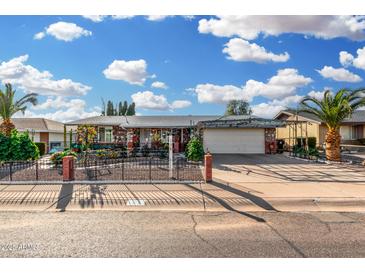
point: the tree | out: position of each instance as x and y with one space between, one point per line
332 110
124 108
9 106
238 107
110 108
131 109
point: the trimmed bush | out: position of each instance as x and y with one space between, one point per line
194 149
42 148
57 157
17 147
312 142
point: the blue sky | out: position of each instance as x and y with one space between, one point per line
203 62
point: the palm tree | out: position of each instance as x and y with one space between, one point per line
8 107
332 110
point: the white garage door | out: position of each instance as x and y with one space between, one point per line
234 140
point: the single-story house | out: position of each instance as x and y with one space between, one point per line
221 134
42 130
352 129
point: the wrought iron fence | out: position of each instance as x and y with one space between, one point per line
118 170
37 170
138 170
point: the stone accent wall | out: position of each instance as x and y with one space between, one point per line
270 141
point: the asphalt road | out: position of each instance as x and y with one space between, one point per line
185 234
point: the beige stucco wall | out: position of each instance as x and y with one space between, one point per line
57 137
312 129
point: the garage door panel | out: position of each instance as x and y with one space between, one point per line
234 140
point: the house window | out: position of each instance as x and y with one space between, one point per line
108 135
105 134
101 134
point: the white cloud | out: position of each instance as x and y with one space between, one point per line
122 17
250 26
318 94
283 84
339 74
63 31
65 110
39 35
159 84
133 72
346 58
30 79
157 17
149 100
180 104
238 49
95 18
270 109
349 59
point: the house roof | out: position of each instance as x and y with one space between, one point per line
37 124
153 121
358 116
306 115
156 121
242 122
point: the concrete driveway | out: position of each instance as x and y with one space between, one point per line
255 168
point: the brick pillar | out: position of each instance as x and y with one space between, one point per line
208 174
68 168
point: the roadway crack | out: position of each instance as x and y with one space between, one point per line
201 237
291 244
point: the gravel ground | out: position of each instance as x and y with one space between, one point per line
185 234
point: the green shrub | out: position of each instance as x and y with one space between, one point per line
17 147
42 148
313 152
362 141
194 149
57 157
312 142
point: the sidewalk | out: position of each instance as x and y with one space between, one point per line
216 196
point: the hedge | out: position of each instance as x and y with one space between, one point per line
18 146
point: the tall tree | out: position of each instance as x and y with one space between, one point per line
110 108
124 108
238 107
332 110
9 106
120 109
131 109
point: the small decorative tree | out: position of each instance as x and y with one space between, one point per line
86 135
194 149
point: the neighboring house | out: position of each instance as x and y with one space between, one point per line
229 134
42 130
351 130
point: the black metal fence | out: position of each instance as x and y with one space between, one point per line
37 170
119 170
138 170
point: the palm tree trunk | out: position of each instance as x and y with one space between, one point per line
333 149
6 127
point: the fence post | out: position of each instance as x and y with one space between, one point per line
208 167
68 168
11 171
150 168
96 170
36 170
177 169
122 169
